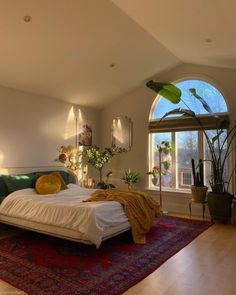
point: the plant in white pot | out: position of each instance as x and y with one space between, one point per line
220 149
198 188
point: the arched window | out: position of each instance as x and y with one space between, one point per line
184 133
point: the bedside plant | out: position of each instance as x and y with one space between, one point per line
98 159
106 184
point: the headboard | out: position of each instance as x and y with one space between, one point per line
72 177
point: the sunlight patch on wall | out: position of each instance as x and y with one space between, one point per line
70 127
1 159
74 123
80 121
118 131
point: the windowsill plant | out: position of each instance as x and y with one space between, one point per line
198 188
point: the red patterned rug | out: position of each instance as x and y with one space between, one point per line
43 265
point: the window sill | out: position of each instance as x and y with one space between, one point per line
170 192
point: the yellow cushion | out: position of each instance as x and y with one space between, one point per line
58 175
47 184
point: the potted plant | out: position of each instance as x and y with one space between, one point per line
130 178
154 174
98 159
220 198
198 188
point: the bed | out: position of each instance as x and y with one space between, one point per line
64 214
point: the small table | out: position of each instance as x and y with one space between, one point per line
191 201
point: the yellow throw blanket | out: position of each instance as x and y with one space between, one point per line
140 209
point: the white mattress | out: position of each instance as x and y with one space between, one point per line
66 210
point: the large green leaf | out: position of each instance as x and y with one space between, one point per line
166 90
217 136
180 111
224 124
202 101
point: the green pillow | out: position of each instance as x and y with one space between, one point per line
18 182
3 188
65 175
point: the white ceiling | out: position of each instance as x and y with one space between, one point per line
66 50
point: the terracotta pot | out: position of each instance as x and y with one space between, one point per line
199 193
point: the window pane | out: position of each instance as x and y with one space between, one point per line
187 148
157 138
212 95
208 165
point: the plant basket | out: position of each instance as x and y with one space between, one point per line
199 193
220 206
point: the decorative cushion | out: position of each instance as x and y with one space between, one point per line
48 184
20 181
58 175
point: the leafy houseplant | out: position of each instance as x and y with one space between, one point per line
219 200
98 159
130 178
198 188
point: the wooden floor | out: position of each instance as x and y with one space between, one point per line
205 266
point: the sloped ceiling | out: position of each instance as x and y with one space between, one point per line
90 52
196 31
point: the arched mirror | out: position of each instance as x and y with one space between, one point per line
121 134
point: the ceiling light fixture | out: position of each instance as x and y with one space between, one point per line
27 18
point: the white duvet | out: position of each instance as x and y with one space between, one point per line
65 209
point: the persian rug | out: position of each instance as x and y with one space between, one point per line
44 265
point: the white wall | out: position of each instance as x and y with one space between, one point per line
137 105
33 127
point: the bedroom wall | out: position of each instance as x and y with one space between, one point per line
137 105
32 127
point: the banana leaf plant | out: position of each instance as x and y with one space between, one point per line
219 150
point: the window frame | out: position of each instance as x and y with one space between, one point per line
174 155
175 124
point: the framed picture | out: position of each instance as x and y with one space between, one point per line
85 136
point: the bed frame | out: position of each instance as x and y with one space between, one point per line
49 229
